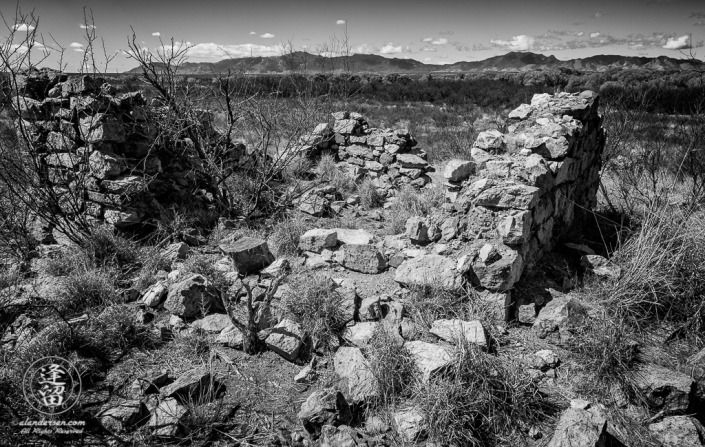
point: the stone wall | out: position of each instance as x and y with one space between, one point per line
98 150
521 191
388 157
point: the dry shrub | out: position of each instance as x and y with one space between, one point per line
285 238
412 202
370 198
430 302
663 272
480 400
318 308
87 287
103 247
328 172
392 366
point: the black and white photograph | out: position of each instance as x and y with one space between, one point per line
352 224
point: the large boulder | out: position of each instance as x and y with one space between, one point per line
357 237
192 384
429 270
562 314
458 170
318 239
192 296
362 258
503 196
455 331
250 255
353 368
665 390
580 428
679 431
286 339
496 267
123 416
325 407
429 358
167 419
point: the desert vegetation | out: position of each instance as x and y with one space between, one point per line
342 259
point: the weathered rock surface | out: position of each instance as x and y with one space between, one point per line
429 270
458 330
580 428
679 431
324 407
192 296
167 419
362 258
123 416
250 255
351 365
429 358
666 390
286 339
409 423
458 170
560 315
317 239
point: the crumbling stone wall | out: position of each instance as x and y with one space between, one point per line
98 149
523 190
388 157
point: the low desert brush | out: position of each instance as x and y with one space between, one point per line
392 366
412 202
320 310
480 400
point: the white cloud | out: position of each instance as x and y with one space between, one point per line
78 50
441 41
267 36
76 45
593 35
215 51
364 49
391 48
580 34
86 26
429 49
427 39
22 27
599 14
516 43
340 22
252 33
156 34
678 43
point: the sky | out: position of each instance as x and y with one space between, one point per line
438 31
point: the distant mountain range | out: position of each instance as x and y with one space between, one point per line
371 63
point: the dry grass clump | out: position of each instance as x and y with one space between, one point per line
370 198
285 238
328 172
412 202
663 272
87 287
320 310
430 302
481 400
104 247
392 366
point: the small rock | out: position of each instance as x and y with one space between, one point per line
167 419
250 255
455 330
318 239
352 366
324 407
214 323
430 358
230 337
679 431
409 423
122 417
195 383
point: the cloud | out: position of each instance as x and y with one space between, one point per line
215 51
267 36
427 39
252 33
516 43
699 23
440 41
428 49
392 48
364 49
86 26
680 43
599 14
76 45
22 27
340 22
78 50
593 35
156 34
697 15
580 34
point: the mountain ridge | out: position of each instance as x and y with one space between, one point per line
371 63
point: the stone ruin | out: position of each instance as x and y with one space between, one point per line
388 157
99 150
518 194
